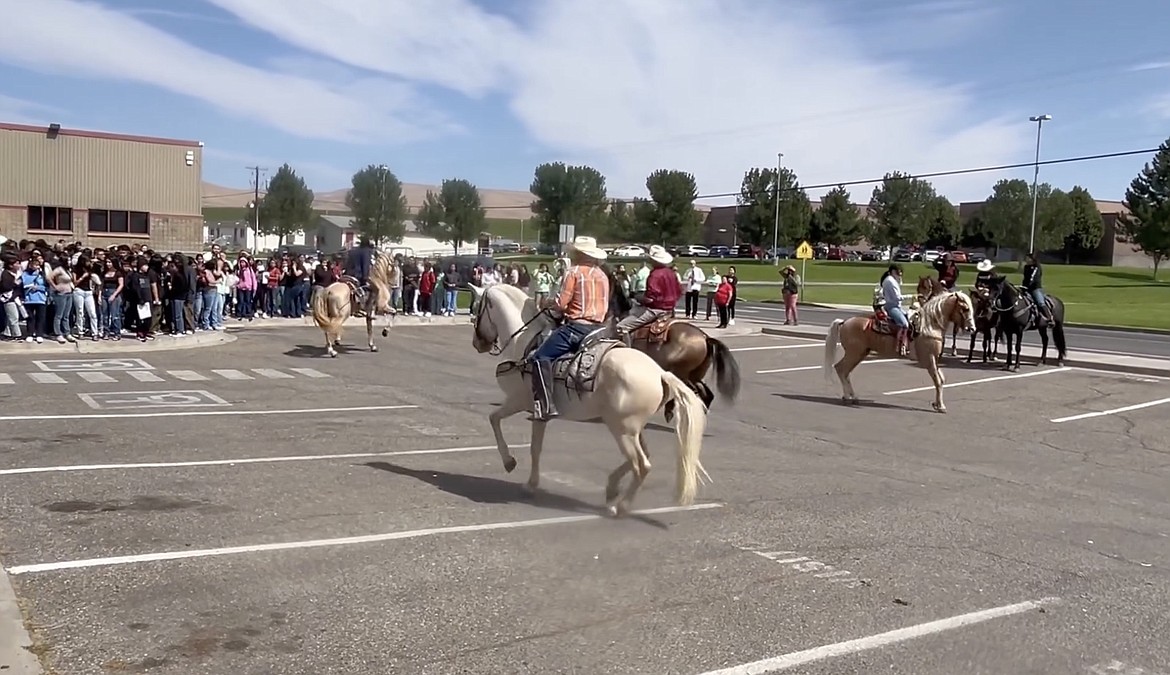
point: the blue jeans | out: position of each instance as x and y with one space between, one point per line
563 340
62 313
178 326
449 302
1038 297
111 313
898 317
207 309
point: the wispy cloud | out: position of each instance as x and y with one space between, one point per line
707 86
179 15
20 111
1151 65
72 38
319 175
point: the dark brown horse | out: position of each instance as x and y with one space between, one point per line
986 324
928 287
682 349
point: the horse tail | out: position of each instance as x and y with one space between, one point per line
831 341
690 423
726 368
319 305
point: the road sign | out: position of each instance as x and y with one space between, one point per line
568 233
804 251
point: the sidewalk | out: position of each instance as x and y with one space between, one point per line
381 321
1120 364
15 643
126 344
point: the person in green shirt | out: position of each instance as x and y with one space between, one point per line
543 281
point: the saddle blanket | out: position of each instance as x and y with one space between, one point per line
576 372
881 324
656 331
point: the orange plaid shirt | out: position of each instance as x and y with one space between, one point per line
585 294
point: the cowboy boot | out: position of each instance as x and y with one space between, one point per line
903 342
543 408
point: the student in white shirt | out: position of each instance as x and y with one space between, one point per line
693 284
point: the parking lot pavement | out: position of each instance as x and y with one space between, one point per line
249 545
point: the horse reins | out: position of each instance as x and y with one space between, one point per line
498 348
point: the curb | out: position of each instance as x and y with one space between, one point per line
379 322
16 657
1161 369
161 343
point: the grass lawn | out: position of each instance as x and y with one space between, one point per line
1100 295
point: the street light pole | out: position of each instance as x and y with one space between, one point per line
776 226
1039 120
382 170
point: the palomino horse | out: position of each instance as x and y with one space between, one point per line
928 287
1014 309
334 304
860 337
628 387
683 349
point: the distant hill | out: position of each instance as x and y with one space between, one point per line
502 204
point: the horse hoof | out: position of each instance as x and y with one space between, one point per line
385 332
510 464
938 408
612 510
332 355
1060 363
527 491
373 348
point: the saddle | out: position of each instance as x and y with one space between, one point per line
656 332
575 371
881 323
355 286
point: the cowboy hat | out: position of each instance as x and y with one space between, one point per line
659 255
985 266
789 268
586 246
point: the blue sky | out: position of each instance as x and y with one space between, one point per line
847 89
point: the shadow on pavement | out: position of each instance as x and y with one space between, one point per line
836 400
483 490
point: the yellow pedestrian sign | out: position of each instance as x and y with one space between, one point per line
804 251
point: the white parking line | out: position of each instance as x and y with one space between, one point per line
340 541
1035 373
47 378
818 367
776 664
97 377
272 373
757 349
144 376
232 374
187 375
241 460
1115 411
5 378
309 372
203 413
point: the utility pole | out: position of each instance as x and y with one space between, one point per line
776 227
255 200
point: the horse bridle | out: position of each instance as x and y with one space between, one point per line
998 294
498 348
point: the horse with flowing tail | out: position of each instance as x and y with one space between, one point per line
680 348
862 335
603 380
1017 314
332 305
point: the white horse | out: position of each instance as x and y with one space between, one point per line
628 389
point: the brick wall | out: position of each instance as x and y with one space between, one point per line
167 233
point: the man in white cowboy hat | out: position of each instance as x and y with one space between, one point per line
986 274
583 303
658 300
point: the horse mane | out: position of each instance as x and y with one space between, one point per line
934 316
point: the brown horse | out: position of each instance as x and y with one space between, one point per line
682 349
862 335
986 324
332 305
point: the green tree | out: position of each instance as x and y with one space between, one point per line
1148 199
1007 214
1054 215
837 222
567 195
756 218
287 206
942 223
378 204
620 225
1086 228
455 215
899 210
669 215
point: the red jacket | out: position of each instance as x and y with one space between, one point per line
426 283
662 289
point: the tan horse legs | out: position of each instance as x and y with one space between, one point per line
637 460
928 358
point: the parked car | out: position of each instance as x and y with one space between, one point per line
748 251
976 257
629 251
835 253
719 252
874 255
694 251
959 256
906 255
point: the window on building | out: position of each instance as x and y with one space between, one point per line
50 219
119 222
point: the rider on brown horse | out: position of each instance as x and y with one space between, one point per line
358 263
659 299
